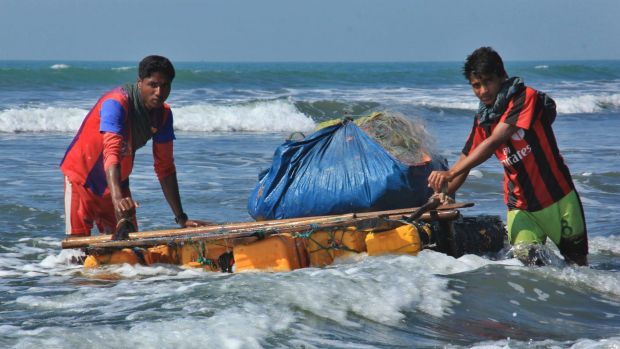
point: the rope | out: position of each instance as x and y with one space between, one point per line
334 243
419 227
201 250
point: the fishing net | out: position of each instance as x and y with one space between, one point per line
397 134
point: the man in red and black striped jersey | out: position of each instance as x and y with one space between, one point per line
514 123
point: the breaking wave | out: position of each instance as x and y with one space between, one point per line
268 116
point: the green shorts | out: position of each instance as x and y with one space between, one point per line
563 223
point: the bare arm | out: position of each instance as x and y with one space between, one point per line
123 207
170 188
455 176
166 173
457 181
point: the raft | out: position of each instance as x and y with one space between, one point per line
289 244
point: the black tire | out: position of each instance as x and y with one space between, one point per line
479 235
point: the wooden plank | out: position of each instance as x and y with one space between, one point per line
244 229
362 223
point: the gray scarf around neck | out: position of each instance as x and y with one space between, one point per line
508 90
140 117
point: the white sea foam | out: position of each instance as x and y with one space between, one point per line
234 311
50 119
268 116
584 278
223 311
59 66
588 103
572 103
278 115
229 328
122 68
475 173
600 244
567 99
379 289
65 257
442 98
517 287
604 343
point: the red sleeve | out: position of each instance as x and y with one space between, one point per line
476 136
112 144
163 159
521 109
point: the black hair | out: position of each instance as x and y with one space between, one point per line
484 61
155 64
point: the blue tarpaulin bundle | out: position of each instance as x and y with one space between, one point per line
338 169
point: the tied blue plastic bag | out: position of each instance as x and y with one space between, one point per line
338 169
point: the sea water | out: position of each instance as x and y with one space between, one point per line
229 118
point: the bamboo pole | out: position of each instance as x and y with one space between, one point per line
361 223
245 229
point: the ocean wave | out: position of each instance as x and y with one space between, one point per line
326 102
334 102
605 244
602 343
286 114
579 104
125 68
588 103
262 116
50 119
59 66
270 116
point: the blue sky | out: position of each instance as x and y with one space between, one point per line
317 30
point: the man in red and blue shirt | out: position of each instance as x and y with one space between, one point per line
100 158
514 123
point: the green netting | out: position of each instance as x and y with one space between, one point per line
201 248
334 241
398 135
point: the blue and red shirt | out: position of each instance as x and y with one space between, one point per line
83 162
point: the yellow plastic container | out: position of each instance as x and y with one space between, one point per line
91 262
125 255
160 254
190 253
324 246
402 240
280 252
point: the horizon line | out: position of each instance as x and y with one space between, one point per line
58 60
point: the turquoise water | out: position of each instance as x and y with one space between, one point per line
229 120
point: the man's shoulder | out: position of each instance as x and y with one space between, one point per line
532 95
526 91
525 96
118 93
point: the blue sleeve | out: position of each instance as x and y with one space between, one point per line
166 133
112 117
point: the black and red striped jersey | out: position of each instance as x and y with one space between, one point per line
535 175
